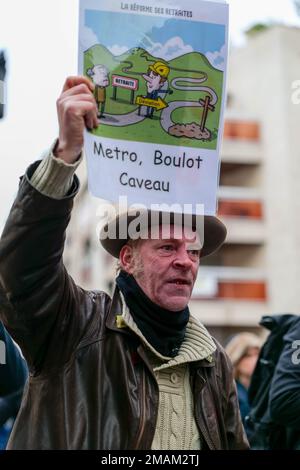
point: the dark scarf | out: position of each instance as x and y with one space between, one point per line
163 329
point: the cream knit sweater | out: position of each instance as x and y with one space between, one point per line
176 427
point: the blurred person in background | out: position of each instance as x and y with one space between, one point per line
13 374
243 350
285 387
274 392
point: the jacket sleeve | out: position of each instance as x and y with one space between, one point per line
43 309
285 388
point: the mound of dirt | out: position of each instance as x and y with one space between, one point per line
192 131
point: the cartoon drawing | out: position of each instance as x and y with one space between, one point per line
155 79
183 83
100 77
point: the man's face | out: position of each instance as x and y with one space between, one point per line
153 81
165 269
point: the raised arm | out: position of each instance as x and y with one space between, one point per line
40 305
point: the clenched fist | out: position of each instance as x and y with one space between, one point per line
76 109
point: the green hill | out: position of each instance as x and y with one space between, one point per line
195 59
138 59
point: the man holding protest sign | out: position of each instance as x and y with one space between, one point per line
133 372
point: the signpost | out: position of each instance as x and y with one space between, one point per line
124 82
157 104
206 107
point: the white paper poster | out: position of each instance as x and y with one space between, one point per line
159 71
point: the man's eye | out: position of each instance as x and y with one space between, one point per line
194 253
167 247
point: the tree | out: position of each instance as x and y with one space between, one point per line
257 28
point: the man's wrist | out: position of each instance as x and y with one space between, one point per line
62 153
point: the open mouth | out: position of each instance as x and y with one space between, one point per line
180 282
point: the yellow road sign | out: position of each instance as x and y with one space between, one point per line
158 104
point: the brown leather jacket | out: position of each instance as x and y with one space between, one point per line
90 386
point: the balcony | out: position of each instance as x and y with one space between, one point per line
241 129
244 231
220 312
242 211
240 202
220 283
230 296
241 142
249 209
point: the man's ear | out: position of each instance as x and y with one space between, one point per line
126 258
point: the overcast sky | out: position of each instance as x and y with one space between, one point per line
40 39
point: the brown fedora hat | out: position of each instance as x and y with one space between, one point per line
213 237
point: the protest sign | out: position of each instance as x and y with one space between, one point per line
159 70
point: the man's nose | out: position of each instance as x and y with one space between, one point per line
182 259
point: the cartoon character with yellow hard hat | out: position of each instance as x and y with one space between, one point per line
156 77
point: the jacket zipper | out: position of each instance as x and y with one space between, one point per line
143 408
